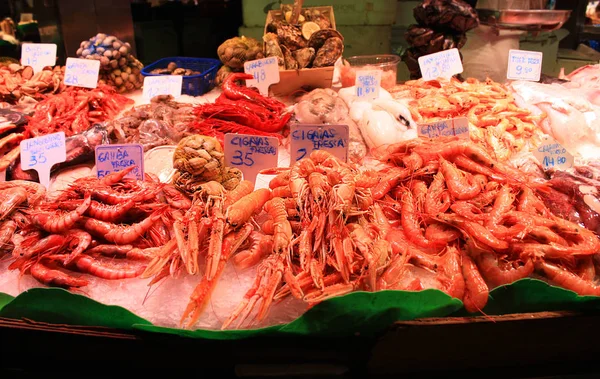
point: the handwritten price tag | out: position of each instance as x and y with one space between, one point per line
250 153
265 72
41 153
368 83
443 64
445 128
82 72
524 65
38 55
162 85
114 158
552 154
306 138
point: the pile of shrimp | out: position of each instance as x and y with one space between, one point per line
463 222
495 121
75 110
216 224
109 228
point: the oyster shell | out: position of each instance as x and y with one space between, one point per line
291 36
317 17
290 61
304 57
331 50
272 49
318 38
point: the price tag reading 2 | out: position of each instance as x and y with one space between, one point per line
443 64
552 154
41 153
115 158
524 65
265 72
250 153
306 138
446 128
367 84
38 55
82 72
162 85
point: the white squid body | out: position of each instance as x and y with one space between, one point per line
381 121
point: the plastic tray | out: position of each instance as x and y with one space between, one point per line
193 85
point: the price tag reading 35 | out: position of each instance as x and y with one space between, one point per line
443 64
38 55
41 153
162 85
552 154
82 72
250 153
368 83
265 72
115 158
524 65
306 138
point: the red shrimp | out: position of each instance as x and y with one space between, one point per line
80 240
474 230
476 291
567 279
461 185
108 269
45 274
261 246
496 276
412 224
241 211
388 181
53 223
282 179
243 189
282 233
119 234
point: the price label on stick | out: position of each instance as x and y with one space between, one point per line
250 153
41 153
82 72
265 72
162 85
367 84
445 128
443 64
552 154
306 138
38 55
524 65
115 158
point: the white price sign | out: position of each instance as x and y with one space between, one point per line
250 153
82 72
162 85
41 153
265 72
368 83
38 55
552 154
524 65
443 64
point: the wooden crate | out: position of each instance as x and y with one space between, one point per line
291 81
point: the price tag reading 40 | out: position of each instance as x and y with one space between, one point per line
82 72
306 138
115 158
552 154
38 55
265 72
41 153
524 65
368 83
250 153
443 64
162 85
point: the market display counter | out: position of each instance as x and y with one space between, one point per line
526 345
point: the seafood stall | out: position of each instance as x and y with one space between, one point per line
288 209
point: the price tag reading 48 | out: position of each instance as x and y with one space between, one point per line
250 153
41 153
265 72
306 138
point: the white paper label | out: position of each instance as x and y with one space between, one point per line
368 83
443 64
82 72
250 153
524 65
38 55
115 158
445 128
552 154
41 153
162 85
265 72
306 138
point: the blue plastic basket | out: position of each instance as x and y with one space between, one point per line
193 85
